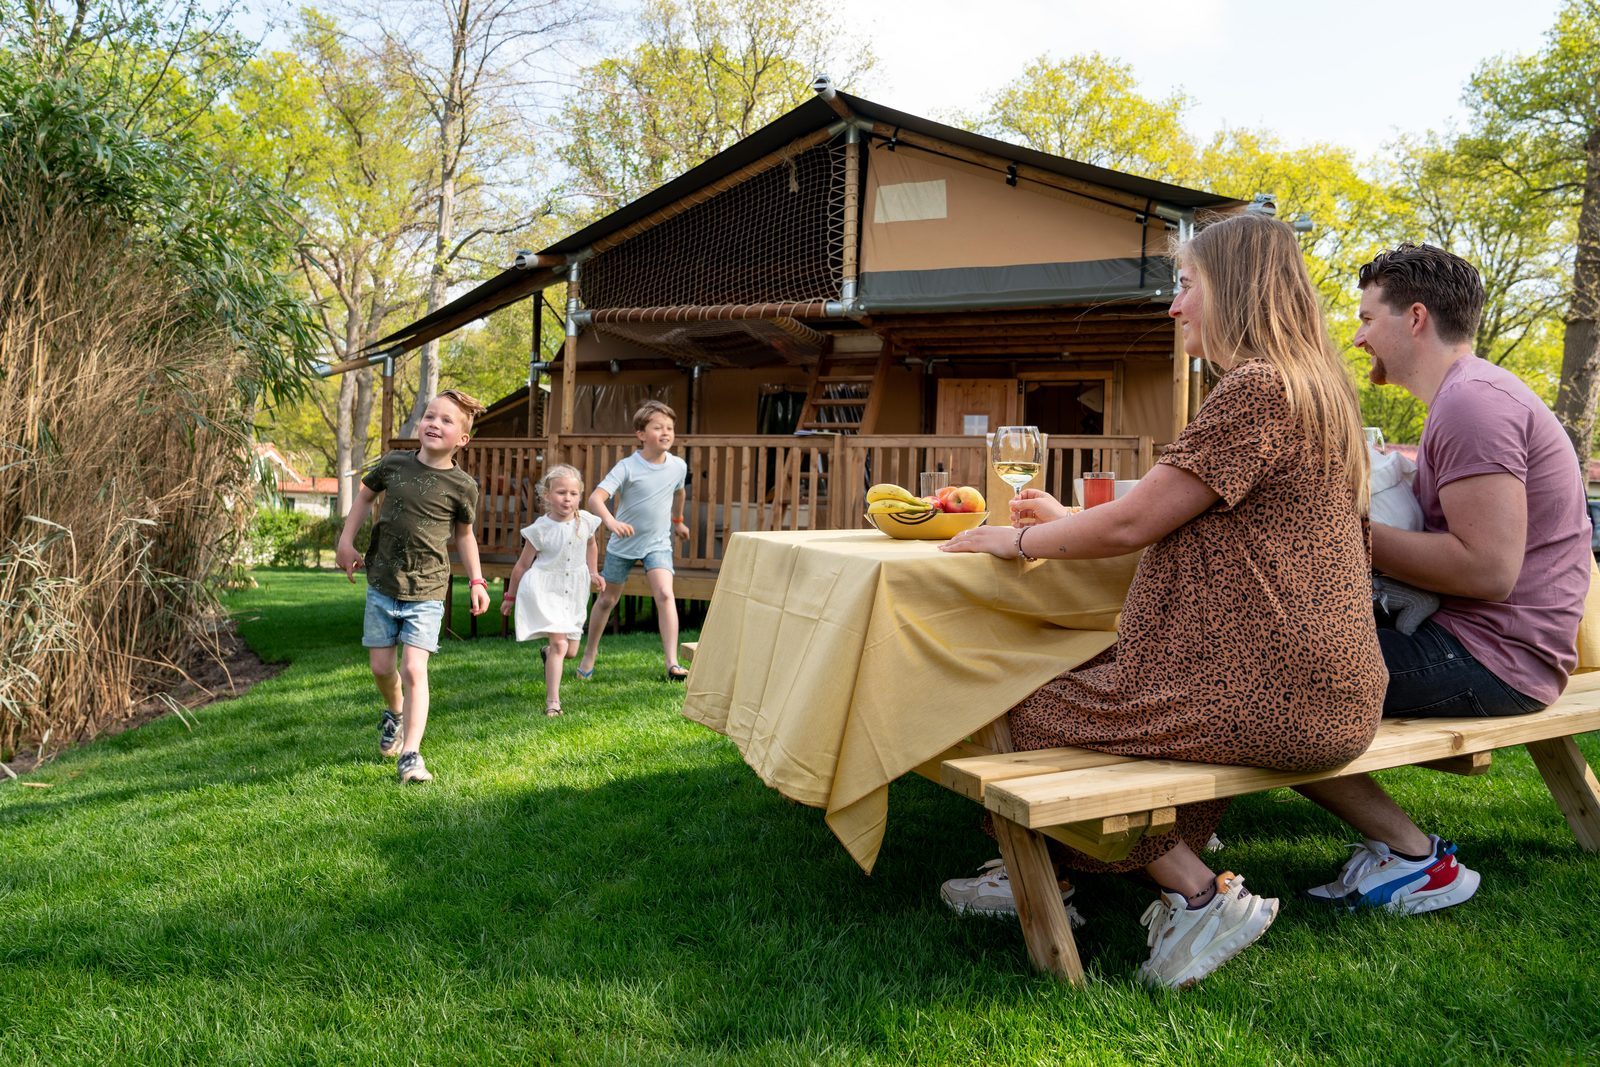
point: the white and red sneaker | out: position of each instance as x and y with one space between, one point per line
1374 877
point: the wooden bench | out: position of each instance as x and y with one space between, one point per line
1103 804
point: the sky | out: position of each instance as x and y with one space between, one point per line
1352 74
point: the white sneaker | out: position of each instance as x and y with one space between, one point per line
1188 944
989 893
1374 877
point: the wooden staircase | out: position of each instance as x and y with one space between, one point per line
850 402
855 400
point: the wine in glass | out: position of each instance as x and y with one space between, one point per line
1018 453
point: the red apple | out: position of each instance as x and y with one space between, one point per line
941 497
963 499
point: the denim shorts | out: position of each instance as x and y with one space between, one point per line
1432 674
393 622
617 567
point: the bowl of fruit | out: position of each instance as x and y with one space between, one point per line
904 515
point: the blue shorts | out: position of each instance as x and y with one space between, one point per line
616 568
393 622
1432 674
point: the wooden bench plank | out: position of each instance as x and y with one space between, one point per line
971 776
1143 785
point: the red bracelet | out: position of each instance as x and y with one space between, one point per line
677 520
478 581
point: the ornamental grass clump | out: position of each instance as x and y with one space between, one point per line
125 468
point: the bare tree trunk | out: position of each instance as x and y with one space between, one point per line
342 443
351 424
1580 355
450 119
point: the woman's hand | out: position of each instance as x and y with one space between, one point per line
996 540
1034 507
597 583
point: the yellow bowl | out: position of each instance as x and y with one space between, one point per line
927 525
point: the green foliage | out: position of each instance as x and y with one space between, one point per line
99 126
1087 107
281 538
705 74
276 534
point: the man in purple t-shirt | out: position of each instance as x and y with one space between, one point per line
1505 544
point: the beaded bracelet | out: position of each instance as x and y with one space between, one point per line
1020 553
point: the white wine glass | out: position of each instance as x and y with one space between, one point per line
1017 453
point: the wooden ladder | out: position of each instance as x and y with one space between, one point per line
863 399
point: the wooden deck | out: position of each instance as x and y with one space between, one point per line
752 482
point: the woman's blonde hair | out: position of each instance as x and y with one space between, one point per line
1257 301
560 470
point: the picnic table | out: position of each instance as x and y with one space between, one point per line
839 660
836 661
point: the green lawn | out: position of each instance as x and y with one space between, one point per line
616 887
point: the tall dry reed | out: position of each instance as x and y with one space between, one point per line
124 477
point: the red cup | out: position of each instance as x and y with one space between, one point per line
1098 487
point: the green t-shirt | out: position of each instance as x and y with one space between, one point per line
410 554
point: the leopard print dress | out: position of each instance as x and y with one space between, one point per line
1247 636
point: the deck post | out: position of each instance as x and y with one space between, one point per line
387 430
569 354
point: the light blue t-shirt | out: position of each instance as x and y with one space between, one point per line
641 496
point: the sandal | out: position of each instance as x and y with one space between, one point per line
675 673
584 675
552 711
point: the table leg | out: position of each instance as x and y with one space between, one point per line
1026 853
1573 786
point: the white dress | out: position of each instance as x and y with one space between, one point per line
553 596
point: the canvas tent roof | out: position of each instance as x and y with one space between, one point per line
918 274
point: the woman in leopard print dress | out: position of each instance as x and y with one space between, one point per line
1247 636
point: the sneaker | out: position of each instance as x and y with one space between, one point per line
1374 877
989 893
412 769
1186 944
389 734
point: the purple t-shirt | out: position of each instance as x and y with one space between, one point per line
1484 420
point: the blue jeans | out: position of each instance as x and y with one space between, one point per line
391 622
1432 675
616 568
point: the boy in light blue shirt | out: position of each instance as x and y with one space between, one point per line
648 487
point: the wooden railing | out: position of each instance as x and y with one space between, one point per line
753 482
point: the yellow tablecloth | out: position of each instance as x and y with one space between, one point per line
839 660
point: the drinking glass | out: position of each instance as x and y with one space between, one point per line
1099 487
1374 436
1018 451
933 481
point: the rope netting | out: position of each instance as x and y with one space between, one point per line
773 238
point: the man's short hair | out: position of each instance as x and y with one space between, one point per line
1447 285
649 410
470 406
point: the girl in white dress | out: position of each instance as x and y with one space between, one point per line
551 581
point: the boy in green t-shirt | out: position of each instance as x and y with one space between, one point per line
428 502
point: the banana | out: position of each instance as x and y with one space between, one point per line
884 491
897 507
